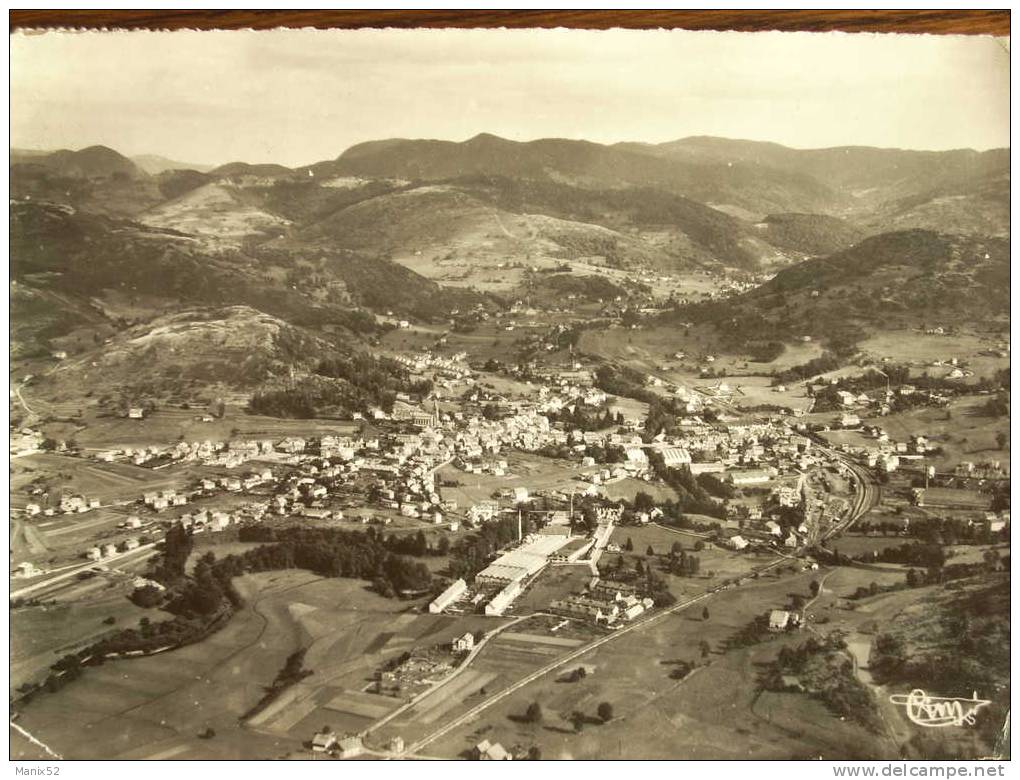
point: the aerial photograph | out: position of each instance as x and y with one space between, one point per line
503 394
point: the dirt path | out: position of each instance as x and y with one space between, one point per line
499 221
897 730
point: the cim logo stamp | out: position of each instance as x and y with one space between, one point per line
938 711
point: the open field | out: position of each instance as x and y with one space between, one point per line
919 349
651 351
42 635
717 564
631 408
109 482
506 386
148 706
955 498
533 472
53 542
963 433
204 545
847 438
659 537
143 707
167 425
555 582
857 544
654 345
973 553
713 713
627 488
751 391
505 659
488 340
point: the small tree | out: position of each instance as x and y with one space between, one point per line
650 552
704 614
706 648
534 713
816 586
628 545
677 548
605 712
699 546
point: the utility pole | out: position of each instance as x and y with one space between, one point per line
888 386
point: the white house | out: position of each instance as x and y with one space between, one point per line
323 741
463 644
737 542
779 620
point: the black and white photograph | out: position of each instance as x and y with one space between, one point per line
509 395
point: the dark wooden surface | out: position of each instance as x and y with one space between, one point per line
995 22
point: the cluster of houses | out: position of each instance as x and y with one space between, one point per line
603 602
109 550
27 569
26 441
158 500
490 751
229 454
70 503
73 503
881 452
883 401
444 371
338 745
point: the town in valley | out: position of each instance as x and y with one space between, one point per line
502 450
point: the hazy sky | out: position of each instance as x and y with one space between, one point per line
295 97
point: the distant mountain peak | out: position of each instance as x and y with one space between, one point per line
487 138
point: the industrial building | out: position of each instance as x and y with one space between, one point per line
448 596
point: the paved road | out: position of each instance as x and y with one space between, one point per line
475 711
31 738
449 678
147 549
866 496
